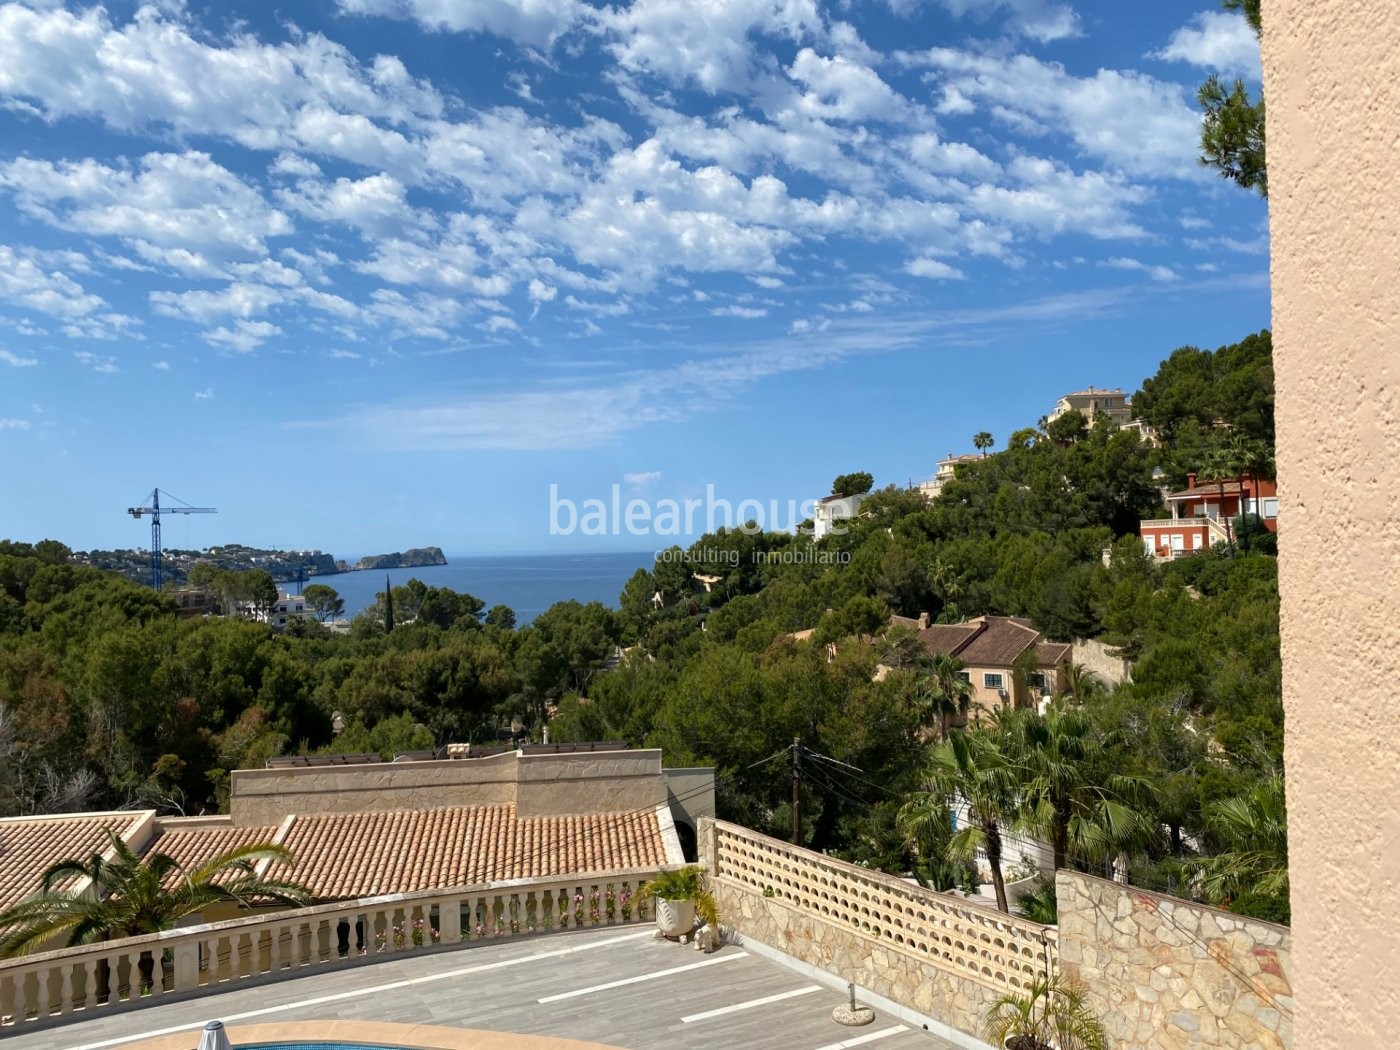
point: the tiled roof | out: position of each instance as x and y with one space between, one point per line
346 855
30 846
1214 488
999 643
993 641
946 637
192 847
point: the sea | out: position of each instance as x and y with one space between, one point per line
528 583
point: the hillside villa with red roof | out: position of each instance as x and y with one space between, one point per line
1199 514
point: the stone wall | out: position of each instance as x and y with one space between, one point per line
1165 974
925 952
1102 660
564 784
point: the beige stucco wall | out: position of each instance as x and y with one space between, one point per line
1165 974
537 785
605 782
1332 79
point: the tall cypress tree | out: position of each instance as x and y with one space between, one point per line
388 605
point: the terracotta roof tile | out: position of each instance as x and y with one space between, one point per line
192 847
29 846
946 637
999 643
345 855
992 641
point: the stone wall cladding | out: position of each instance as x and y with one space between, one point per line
922 950
1166 974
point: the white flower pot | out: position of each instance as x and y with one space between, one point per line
675 918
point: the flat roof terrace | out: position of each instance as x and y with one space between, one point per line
620 987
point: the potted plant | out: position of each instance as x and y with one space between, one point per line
1053 1014
680 896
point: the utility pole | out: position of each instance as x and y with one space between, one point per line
796 791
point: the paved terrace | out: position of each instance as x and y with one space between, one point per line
619 987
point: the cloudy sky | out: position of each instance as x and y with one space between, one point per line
367 274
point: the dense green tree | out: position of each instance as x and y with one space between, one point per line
1232 131
324 601
855 484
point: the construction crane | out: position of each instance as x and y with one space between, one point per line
155 510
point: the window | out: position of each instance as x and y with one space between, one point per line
1036 679
1271 506
965 676
991 681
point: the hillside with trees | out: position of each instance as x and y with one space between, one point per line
107 699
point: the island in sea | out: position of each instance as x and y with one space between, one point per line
412 558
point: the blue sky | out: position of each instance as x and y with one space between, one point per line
368 274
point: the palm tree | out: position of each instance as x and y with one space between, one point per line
125 896
1067 789
941 691
1081 683
1255 459
983 440
1054 1014
1254 830
965 769
1224 464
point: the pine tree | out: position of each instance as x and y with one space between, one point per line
388 605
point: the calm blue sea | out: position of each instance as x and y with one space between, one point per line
528 583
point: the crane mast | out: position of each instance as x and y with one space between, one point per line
154 510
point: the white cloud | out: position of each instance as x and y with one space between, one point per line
153 71
497 323
641 479
536 22
161 366
709 44
1221 41
15 361
1157 273
1050 199
934 268
1128 119
841 89
749 312
376 204
176 201
97 362
242 336
207 394
25 283
342 355
1041 20
540 292
14 424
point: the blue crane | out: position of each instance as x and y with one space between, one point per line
155 510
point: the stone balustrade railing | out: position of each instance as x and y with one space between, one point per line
1003 953
140 971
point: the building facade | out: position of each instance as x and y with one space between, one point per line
1199 515
1095 402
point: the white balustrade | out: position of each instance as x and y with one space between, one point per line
268 945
